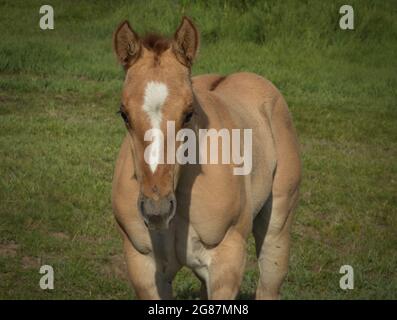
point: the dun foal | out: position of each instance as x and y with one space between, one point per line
200 215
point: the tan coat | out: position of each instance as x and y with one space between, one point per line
216 210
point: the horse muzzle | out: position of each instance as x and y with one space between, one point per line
157 213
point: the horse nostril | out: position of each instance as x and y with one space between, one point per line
172 204
142 206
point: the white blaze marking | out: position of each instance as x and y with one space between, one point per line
155 95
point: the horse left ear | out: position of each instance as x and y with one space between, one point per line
186 42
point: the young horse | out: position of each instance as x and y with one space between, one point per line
200 215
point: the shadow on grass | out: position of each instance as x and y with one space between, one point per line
187 294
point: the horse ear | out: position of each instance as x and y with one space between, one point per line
126 44
186 42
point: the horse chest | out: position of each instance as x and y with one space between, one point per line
203 219
191 251
210 214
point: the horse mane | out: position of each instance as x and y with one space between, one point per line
156 43
216 83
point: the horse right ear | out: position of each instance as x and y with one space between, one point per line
126 44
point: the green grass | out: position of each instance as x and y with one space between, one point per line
59 138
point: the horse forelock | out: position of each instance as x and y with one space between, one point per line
156 43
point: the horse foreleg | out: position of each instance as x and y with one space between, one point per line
148 282
226 268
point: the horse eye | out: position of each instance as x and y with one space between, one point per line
123 115
188 117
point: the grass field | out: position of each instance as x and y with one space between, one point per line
59 137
